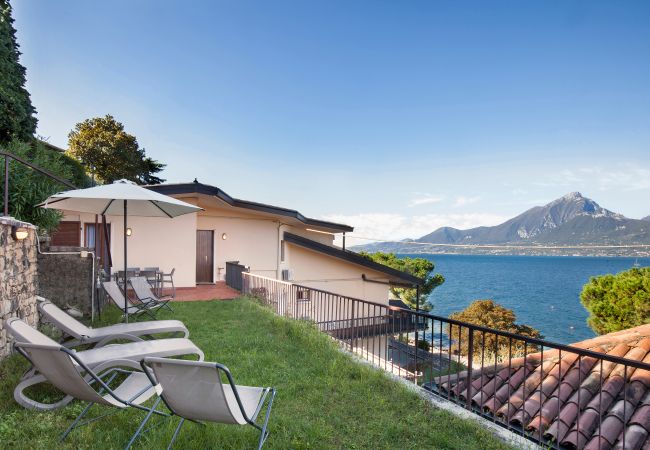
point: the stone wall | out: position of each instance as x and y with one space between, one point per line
18 278
66 278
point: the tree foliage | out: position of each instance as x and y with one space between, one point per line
27 187
419 267
617 302
17 119
489 346
110 153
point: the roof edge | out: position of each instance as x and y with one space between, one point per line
200 188
351 257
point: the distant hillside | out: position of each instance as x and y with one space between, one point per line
569 220
647 218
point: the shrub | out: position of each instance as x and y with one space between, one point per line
617 302
489 314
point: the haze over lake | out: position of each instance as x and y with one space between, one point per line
543 291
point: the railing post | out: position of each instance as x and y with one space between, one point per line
6 193
470 359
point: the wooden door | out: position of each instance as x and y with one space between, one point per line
204 256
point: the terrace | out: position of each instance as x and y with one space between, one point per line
326 399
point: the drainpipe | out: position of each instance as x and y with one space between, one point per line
344 241
278 274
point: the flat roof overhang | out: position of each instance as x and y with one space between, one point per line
397 277
212 191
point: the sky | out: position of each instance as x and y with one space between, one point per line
394 117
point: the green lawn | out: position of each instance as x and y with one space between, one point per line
325 399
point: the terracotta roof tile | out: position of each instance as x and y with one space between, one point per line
581 402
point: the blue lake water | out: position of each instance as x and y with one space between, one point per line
543 291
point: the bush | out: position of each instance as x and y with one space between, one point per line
27 188
617 302
489 314
423 345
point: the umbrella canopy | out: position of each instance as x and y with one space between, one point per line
109 200
120 198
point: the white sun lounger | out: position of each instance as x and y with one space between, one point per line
143 292
193 390
70 374
80 334
132 351
117 296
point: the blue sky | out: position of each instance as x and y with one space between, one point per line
396 117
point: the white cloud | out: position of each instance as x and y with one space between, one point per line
395 227
425 199
624 177
461 200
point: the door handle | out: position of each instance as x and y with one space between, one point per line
206 258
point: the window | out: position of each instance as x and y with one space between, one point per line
89 235
282 251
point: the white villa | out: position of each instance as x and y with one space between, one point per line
271 241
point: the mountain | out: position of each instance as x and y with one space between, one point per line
569 220
646 218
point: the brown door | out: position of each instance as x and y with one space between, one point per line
68 234
204 256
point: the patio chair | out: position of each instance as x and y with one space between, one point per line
132 351
117 296
153 276
64 369
143 292
194 391
168 278
79 334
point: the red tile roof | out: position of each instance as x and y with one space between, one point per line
581 403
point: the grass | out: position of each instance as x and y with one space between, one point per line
325 398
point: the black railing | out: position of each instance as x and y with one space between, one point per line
8 157
553 394
234 272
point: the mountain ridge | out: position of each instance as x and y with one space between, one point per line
569 220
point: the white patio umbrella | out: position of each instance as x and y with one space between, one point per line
120 198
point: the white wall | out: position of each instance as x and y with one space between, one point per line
324 272
162 242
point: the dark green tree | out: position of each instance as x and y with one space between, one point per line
489 314
17 120
110 153
419 267
617 302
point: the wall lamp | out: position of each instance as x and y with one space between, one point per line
129 231
224 236
19 233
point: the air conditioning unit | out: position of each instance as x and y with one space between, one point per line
287 275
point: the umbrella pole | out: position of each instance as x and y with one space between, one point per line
126 308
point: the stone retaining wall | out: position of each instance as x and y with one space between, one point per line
66 279
18 278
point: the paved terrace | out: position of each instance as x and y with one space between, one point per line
204 292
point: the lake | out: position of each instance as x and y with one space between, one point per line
543 291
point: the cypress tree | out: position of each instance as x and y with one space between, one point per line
17 120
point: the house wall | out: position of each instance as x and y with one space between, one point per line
252 239
158 242
324 272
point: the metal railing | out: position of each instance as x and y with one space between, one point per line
8 157
234 272
550 393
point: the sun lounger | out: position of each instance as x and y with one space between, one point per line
143 292
68 372
132 351
194 391
117 296
80 334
